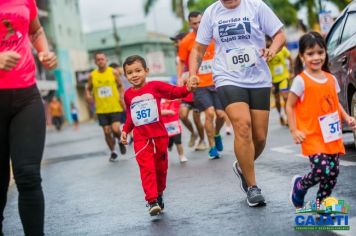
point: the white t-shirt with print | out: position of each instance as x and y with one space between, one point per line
298 86
239 33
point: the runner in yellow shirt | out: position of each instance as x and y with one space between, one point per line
106 89
280 70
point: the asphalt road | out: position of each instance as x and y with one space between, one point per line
87 195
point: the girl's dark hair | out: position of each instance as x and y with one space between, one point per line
131 59
309 40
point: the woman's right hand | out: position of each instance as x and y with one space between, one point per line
8 60
298 136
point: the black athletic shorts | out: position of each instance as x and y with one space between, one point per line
109 118
122 117
189 105
206 97
256 98
176 139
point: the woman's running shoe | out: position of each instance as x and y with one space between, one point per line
255 197
243 184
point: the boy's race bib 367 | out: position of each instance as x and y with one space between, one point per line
240 58
144 112
330 127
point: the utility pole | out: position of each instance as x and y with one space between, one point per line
116 37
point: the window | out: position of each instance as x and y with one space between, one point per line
334 35
350 28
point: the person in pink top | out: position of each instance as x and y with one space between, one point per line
22 117
170 118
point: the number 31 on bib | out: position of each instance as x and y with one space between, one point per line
240 58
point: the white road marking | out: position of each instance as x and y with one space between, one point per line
347 163
290 149
287 149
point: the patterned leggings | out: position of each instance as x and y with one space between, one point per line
325 169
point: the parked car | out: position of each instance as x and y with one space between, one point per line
341 44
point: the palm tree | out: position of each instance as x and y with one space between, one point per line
313 8
177 8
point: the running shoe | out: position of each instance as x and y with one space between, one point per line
182 159
296 194
255 197
219 143
154 209
201 146
113 156
160 201
243 184
213 153
193 138
122 148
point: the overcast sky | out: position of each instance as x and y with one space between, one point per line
96 15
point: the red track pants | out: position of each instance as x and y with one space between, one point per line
152 159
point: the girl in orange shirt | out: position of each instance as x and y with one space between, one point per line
314 117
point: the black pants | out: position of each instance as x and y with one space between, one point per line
57 121
22 136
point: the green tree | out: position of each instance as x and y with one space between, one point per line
284 10
199 5
314 6
177 8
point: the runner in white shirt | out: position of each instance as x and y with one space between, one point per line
241 75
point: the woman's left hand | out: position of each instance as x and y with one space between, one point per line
48 60
267 53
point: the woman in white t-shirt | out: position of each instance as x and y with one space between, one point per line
242 76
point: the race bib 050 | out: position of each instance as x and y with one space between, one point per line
240 58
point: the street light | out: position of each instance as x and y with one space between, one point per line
116 36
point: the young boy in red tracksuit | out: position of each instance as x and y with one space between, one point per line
150 136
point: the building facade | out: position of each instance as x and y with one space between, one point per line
156 48
62 23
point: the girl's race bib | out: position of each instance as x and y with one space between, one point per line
330 127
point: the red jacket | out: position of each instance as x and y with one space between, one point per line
143 109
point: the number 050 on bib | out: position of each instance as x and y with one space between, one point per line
240 58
